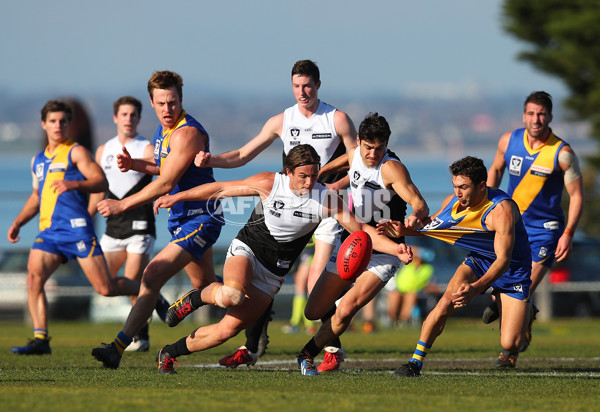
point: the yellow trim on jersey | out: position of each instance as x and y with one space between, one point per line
168 132
49 196
93 248
470 223
531 185
188 236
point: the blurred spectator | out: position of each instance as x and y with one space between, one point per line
410 280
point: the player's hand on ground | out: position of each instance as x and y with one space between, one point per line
202 159
390 228
109 207
404 253
124 161
564 247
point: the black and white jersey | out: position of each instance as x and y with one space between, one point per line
281 225
137 221
371 200
317 131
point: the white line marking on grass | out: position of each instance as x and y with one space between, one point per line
512 372
287 364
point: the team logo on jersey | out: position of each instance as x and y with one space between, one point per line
80 246
543 252
157 148
518 287
109 162
514 168
321 136
278 204
39 171
434 224
356 175
283 263
294 132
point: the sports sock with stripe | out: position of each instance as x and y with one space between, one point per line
40 334
122 341
420 353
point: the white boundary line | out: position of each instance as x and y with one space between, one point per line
287 364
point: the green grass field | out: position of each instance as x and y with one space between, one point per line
560 371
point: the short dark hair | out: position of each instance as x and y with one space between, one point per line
374 128
165 79
306 68
471 167
56 106
540 97
127 100
301 155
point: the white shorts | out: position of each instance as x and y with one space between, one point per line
137 244
329 230
263 278
382 265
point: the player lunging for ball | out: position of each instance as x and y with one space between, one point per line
381 187
486 222
292 206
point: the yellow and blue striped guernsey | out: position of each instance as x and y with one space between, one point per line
191 178
62 217
467 228
535 181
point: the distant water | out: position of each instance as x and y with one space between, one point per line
429 174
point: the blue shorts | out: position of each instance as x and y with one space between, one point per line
84 248
543 245
195 234
515 282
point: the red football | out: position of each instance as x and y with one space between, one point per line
354 255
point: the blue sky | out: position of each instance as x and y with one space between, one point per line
430 47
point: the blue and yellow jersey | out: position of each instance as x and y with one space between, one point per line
192 177
467 229
536 181
62 217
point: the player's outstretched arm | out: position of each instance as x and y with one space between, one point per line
239 157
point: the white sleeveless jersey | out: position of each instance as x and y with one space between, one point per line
372 201
282 224
120 183
317 131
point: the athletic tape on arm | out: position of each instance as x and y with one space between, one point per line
573 172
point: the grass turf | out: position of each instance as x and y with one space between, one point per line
560 371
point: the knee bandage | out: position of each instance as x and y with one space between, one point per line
233 293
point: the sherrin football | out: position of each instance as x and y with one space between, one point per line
354 255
